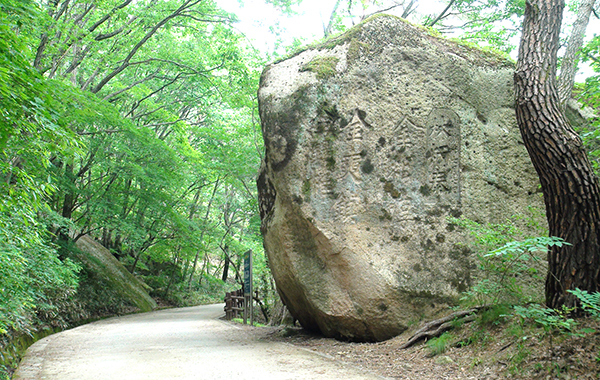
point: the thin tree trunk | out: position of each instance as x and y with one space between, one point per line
173 269
69 198
205 265
570 188
202 234
568 64
147 244
327 29
236 267
409 9
226 265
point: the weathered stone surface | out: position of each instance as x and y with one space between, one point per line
100 261
372 141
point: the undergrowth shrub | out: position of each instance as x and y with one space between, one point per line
550 320
493 316
511 264
208 290
510 283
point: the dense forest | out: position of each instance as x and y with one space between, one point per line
136 122
133 122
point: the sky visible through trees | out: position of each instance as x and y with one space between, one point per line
269 29
135 122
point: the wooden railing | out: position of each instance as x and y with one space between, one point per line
234 304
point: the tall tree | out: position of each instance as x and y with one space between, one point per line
568 66
570 187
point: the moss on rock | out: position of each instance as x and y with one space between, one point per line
100 261
324 67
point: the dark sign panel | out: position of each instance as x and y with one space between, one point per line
248 273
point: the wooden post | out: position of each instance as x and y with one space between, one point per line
239 302
234 303
227 306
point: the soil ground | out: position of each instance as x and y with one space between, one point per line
175 344
504 350
497 349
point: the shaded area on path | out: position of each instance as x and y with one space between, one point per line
187 343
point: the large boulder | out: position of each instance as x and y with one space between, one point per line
98 260
372 140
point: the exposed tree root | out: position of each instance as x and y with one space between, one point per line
436 328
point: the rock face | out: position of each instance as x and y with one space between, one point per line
372 140
99 260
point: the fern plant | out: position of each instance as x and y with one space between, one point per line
590 302
511 263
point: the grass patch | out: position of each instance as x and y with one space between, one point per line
440 344
241 321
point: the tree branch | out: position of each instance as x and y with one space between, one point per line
126 62
443 13
149 77
107 131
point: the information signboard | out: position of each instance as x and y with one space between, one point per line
248 273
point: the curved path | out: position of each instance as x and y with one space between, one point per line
188 343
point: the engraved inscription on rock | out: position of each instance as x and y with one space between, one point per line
412 167
443 155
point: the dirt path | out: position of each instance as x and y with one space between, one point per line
188 343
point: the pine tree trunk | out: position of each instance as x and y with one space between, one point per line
570 187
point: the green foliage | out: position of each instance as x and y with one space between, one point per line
589 94
487 237
590 302
493 316
32 277
550 320
241 321
149 142
202 295
285 6
508 269
440 344
487 23
516 360
171 140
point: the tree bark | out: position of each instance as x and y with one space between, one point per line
570 187
226 265
568 65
